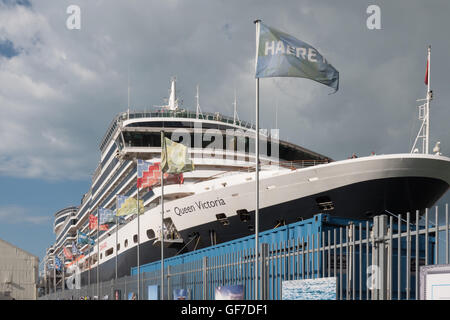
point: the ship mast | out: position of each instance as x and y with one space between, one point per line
173 101
424 113
427 137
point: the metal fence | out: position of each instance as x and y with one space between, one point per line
371 260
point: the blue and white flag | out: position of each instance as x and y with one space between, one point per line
281 55
84 239
106 216
142 166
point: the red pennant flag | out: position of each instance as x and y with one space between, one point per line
426 75
93 224
152 177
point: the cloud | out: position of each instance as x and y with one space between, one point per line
63 87
19 215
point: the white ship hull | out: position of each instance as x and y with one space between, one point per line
356 188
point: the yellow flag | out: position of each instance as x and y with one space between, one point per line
174 157
129 206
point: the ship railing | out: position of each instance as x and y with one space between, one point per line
189 115
298 164
293 165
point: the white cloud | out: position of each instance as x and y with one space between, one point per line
17 215
61 92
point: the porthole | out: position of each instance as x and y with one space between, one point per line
150 234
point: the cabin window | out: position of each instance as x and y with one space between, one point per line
135 238
109 252
118 247
126 243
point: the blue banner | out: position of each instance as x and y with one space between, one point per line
281 55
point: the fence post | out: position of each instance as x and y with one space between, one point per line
205 277
168 282
379 257
265 271
125 285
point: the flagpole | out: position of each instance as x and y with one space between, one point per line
257 174
98 256
428 101
117 230
162 220
138 267
54 272
45 275
89 258
63 269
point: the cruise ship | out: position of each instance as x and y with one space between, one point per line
216 201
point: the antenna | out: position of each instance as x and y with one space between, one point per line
235 115
199 111
128 87
424 113
128 111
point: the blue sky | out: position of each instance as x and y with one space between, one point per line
27 206
60 88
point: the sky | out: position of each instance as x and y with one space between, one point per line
60 88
